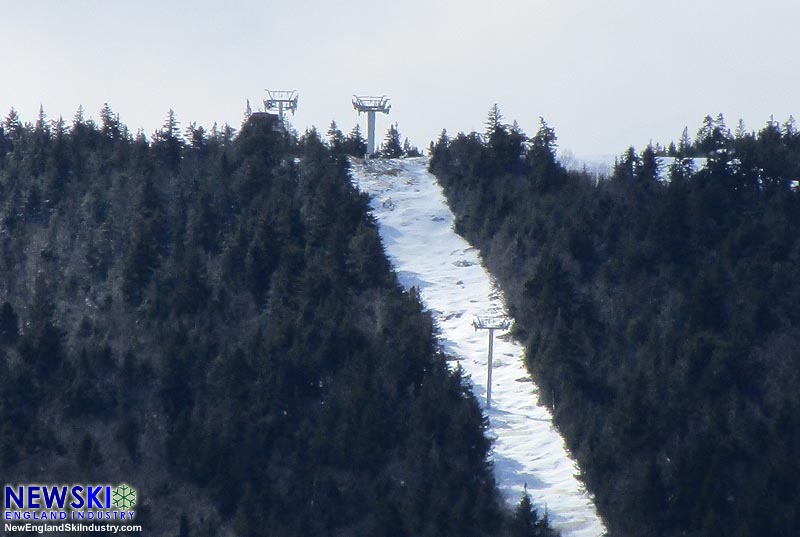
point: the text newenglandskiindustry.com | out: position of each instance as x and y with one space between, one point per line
69 527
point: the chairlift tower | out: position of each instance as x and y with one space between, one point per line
370 105
491 324
281 100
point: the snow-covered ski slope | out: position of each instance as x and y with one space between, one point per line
416 227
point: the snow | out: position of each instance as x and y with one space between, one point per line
416 227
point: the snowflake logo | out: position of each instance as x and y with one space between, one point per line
124 497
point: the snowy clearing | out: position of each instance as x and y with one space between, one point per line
416 227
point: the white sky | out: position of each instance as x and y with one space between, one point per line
605 74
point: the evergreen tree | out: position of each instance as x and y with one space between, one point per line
78 118
391 147
196 136
672 150
685 144
60 129
355 144
741 130
494 121
410 150
544 143
41 126
525 522
713 135
171 128
168 142
790 127
109 123
336 139
12 123
649 166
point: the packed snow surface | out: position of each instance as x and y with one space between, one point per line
416 227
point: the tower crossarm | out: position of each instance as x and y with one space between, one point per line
281 100
486 322
367 103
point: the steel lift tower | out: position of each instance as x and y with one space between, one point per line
491 324
281 100
370 105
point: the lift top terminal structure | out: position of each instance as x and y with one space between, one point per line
370 105
491 324
281 101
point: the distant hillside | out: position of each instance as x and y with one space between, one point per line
662 318
211 318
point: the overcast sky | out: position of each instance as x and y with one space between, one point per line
606 74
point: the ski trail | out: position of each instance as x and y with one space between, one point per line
416 227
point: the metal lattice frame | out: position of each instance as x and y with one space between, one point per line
281 101
366 103
485 322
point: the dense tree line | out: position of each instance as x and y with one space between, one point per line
661 311
210 317
355 145
392 148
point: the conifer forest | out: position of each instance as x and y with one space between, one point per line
211 313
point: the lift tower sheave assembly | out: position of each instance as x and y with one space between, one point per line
370 105
281 100
491 324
